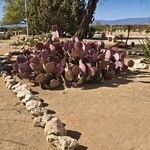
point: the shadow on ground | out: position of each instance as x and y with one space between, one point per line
76 135
123 79
126 78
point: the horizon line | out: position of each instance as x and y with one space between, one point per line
122 18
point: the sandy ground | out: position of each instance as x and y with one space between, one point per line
112 116
16 129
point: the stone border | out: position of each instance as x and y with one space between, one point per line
54 129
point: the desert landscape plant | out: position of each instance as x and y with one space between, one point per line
52 64
145 45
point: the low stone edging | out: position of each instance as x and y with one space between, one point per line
54 129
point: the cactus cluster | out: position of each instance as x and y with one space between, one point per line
72 62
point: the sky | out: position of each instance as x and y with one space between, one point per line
1 9
120 9
115 9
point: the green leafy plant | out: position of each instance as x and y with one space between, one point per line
145 45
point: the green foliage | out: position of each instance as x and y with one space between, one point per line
42 14
145 44
146 60
90 32
100 27
5 36
14 11
148 29
31 41
17 43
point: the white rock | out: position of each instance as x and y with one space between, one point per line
10 83
138 61
7 77
21 94
41 120
38 111
29 97
7 84
19 88
37 121
133 53
7 54
138 53
140 66
62 142
4 75
46 117
55 126
15 86
145 66
33 104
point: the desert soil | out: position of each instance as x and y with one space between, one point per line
112 116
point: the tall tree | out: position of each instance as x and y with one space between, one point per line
33 17
128 34
87 19
14 11
42 14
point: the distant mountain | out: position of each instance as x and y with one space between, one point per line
127 21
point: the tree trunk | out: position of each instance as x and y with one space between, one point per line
87 18
129 29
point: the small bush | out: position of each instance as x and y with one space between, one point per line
145 45
31 41
147 30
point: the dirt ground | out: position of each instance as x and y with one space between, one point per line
112 116
16 129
